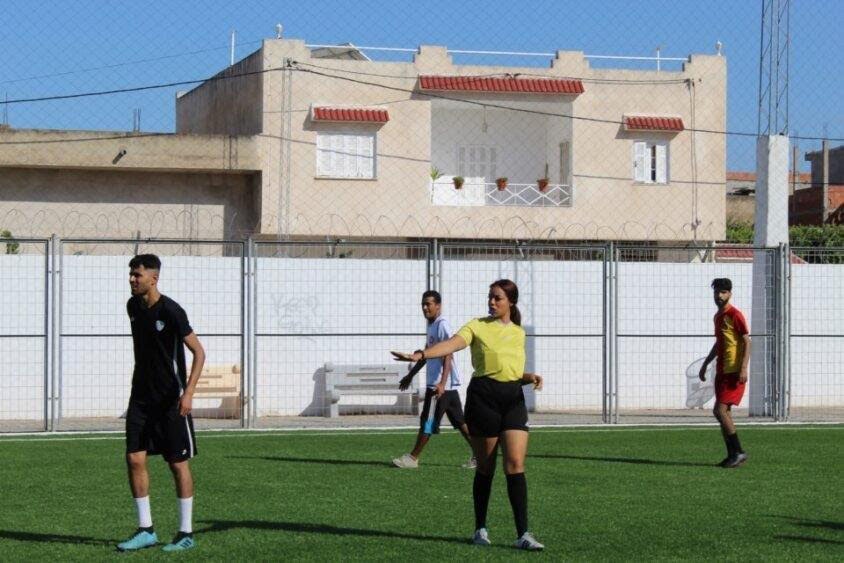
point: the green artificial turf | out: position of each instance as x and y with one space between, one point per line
595 494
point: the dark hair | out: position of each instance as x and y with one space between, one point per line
511 290
148 261
433 293
722 284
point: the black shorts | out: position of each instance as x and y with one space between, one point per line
493 407
448 404
159 429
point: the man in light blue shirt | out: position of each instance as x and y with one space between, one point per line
443 381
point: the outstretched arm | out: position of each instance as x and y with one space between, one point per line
438 350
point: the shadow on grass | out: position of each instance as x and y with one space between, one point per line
53 538
632 460
320 529
808 539
809 523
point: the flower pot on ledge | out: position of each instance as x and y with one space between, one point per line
458 182
501 184
542 184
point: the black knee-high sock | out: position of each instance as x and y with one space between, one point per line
734 444
729 444
517 491
481 490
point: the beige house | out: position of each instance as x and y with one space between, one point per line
298 142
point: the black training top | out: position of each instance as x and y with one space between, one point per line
158 333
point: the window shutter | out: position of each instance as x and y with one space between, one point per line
366 156
639 161
661 164
323 155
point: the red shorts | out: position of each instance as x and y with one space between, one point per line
728 390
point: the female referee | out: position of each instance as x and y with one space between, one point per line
495 404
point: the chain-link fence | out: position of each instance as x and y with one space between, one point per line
560 121
298 334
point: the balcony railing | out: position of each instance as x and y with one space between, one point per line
480 194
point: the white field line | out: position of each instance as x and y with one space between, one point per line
403 430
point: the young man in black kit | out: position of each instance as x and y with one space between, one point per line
158 420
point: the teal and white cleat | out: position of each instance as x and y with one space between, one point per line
140 540
181 542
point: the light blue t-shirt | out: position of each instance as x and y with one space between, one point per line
438 331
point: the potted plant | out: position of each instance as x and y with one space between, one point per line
435 173
501 183
458 182
542 184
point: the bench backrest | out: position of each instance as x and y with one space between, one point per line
363 375
219 379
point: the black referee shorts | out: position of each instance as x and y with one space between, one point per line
159 429
449 405
493 407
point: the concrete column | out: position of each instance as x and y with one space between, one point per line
771 229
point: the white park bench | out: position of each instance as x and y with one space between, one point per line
368 380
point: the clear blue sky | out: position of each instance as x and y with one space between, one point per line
189 40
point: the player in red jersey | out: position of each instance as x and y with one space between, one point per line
732 349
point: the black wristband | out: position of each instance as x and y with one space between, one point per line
422 352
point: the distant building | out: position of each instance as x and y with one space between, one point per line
741 194
304 142
823 203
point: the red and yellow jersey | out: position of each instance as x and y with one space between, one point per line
730 327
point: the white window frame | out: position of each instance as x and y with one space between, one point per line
651 162
471 165
350 160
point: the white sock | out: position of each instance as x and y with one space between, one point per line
186 515
144 512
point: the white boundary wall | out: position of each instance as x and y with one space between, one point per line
311 297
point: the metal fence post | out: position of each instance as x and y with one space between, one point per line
48 336
244 334
55 330
606 338
616 257
253 330
784 309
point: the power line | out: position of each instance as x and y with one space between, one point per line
295 66
118 65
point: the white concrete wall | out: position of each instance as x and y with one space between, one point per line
299 300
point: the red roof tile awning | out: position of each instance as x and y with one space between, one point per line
652 123
350 114
502 84
745 255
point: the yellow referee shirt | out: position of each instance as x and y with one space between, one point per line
498 349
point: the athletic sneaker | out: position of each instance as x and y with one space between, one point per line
471 464
736 461
528 542
140 540
406 462
481 537
181 542
723 462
